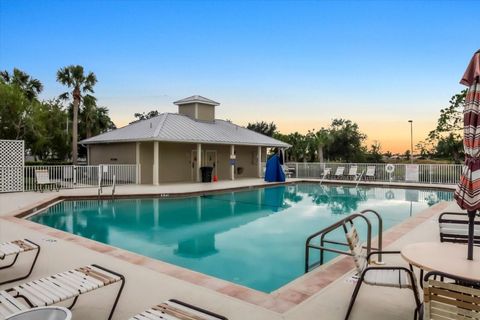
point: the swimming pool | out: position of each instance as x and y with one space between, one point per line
253 238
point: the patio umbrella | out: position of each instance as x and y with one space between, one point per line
467 193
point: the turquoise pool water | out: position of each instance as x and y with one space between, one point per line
254 238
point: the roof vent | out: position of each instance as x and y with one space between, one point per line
197 108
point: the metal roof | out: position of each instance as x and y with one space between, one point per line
173 127
196 99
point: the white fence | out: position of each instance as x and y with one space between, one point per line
71 177
428 173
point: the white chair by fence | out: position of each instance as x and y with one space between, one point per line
352 172
370 174
339 172
43 181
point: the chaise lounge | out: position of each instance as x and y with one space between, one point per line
14 249
177 310
58 288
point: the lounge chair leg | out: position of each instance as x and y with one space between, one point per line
418 304
73 303
11 264
122 279
30 304
31 267
117 298
421 278
354 295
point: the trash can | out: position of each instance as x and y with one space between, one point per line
206 174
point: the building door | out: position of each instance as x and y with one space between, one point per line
211 160
194 164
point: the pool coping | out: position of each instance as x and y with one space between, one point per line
281 300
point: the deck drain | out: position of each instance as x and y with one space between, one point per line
353 279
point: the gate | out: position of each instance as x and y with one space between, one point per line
12 161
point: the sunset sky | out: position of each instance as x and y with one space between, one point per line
297 63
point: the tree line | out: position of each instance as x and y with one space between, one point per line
341 141
51 128
446 140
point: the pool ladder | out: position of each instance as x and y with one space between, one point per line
359 177
100 187
342 224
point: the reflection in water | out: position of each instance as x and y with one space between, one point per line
228 235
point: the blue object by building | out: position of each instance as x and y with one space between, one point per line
274 171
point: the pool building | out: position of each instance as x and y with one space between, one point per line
172 147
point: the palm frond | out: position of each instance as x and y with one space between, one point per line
5 76
64 96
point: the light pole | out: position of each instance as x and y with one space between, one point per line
411 140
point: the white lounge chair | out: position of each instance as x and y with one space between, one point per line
13 249
339 172
58 288
370 174
352 172
177 310
289 172
43 181
385 276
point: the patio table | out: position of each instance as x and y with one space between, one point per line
444 257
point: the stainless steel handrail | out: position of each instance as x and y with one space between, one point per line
113 187
342 224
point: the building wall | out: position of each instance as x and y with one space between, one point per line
246 162
175 162
206 112
175 159
112 153
187 110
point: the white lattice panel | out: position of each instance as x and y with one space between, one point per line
11 165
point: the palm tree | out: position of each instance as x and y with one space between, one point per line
73 77
31 87
94 119
322 139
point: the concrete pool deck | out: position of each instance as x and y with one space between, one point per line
325 291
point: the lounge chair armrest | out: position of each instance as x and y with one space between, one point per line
381 252
387 268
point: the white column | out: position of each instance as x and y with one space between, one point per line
137 162
259 161
88 154
232 165
199 161
155 163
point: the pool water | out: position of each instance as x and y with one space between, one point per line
254 238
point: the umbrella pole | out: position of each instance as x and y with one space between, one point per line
471 224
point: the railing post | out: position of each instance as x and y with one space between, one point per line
74 172
430 172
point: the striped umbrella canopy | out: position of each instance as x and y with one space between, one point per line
467 193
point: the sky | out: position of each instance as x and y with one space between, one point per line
299 64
